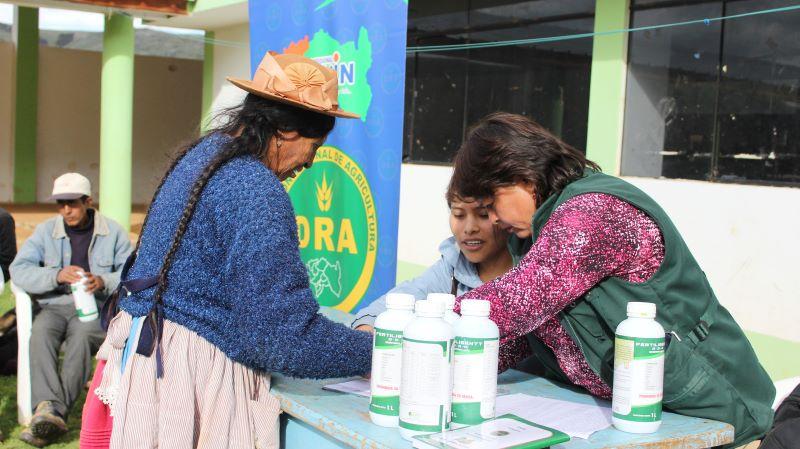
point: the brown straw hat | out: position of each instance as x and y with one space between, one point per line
298 81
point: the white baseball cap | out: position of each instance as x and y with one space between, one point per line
71 186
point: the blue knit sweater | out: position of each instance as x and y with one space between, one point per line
237 279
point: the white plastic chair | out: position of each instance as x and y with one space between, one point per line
24 309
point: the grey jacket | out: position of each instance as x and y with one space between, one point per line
48 250
438 278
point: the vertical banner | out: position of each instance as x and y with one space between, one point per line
347 203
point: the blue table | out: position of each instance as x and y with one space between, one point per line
314 418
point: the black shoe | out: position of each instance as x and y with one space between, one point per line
47 424
28 437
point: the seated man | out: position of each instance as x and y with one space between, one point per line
79 241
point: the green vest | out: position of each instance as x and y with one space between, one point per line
711 371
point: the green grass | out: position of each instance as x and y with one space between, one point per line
8 404
6 300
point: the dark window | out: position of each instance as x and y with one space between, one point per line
714 102
448 91
759 125
672 75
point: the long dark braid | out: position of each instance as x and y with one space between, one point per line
256 120
111 307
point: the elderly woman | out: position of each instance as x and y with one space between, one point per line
590 243
217 297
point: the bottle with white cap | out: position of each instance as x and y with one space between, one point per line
449 302
638 370
384 405
475 353
85 304
425 382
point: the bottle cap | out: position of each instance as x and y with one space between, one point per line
475 307
447 299
641 309
400 301
429 309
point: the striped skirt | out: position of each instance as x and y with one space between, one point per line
203 400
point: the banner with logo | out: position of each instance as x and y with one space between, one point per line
347 203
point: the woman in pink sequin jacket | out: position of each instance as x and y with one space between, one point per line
590 243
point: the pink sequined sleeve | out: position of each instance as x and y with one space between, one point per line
588 238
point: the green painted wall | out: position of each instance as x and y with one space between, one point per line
607 89
116 118
779 356
26 29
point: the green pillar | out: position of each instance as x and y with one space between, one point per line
607 88
26 39
208 81
116 118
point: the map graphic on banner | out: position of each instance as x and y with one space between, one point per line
350 60
347 203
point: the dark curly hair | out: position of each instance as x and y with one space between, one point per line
503 149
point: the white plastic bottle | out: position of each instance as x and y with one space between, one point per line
638 370
85 305
449 302
475 352
425 382
384 405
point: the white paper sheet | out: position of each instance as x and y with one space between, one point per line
359 387
574 419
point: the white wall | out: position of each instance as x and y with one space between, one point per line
167 98
6 122
424 215
233 61
68 129
167 95
744 237
166 106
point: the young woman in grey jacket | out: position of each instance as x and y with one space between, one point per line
476 253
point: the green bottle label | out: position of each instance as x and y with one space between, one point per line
638 378
386 366
474 379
